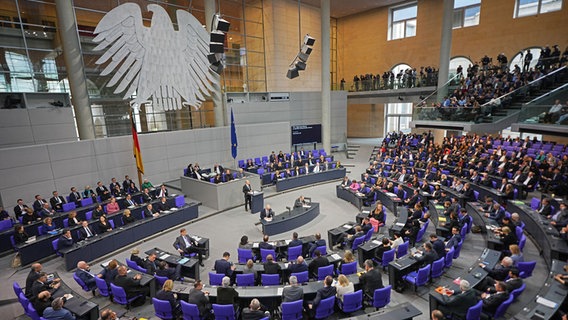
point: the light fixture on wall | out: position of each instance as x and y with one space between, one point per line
216 57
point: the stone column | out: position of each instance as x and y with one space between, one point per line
75 68
325 76
216 95
445 47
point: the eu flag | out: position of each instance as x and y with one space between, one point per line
234 143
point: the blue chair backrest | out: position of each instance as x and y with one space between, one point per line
190 311
102 286
396 190
402 249
162 309
357 242
131 264
32 313
40 230
382 297
215 279
503 307
518 232
55 246
161 280
180 201
66 223
475 195
522 242
294 252
325 271
246 279
244 255
458 250
325 308
438 268
118 294
111 222
86 201
353 301
369 234
224 312
80 282
474 312
265 252
292 310
69 206
5 224
388 256
423 275
349 268
535 203
303 276
270 279
89 215
260 171
526 268
518 291
322 250
17 288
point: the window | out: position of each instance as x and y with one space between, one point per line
456 62
466 13
403 22
398 117
525 8
519 59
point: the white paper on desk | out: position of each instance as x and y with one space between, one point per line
390 194
273 243
365 211
165 256
359 194
280 291
174 209
196 238
255 245
400 224
69 296
173 195
545 302
288 241
376 242
335 256
348 226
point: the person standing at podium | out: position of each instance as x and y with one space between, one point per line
247 191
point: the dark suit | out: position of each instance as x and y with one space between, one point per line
439 247
180 243
295 243
427 258
167 296
498 273
248 198
162 206
266 214
83 233
545 210
223 266
470 196
64 242
75 197
371 281
323 293
19 211
315 245
146 198
297 267
459 304
102 191
32 277
271 268
87 278
491 304
249 314
131 287
292 293
38 205
57 205
150 267
454 241
38 287
315 264
227 295
299 203
198 298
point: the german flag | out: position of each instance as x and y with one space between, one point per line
136 146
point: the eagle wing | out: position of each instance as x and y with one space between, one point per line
197 79
123 30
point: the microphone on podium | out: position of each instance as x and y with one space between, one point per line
289 211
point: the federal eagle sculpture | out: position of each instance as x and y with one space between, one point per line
157 63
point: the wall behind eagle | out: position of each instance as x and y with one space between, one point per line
41 169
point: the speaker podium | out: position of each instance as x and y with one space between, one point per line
257 201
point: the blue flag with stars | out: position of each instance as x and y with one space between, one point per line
234 143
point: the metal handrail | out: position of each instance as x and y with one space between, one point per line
562 87
437 88
526 85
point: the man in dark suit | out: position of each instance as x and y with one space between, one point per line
223 266
271 267
318 243
41 284
200 299
65 240
75 196
400 192
56 201
128 202
468 192
19 209
514 282
382 249
132 285
323 293
185 244
149 211
497 212
35 271
102 191
499 273
170 273
460 302
227 294
455 239
298 266
113 184
162 205
126 183
317 262
545 208
46 211
85 231
146 196
371 279
253 312
300 202
83 273
438 245
150 264
295 241
163 192
428 255
265 244
247 191
38 203
266 213
491 301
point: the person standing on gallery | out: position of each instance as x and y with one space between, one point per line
247 191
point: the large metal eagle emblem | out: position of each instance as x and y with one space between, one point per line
157 63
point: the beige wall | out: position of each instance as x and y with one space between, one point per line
282 45
560 140
365 120
363 45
